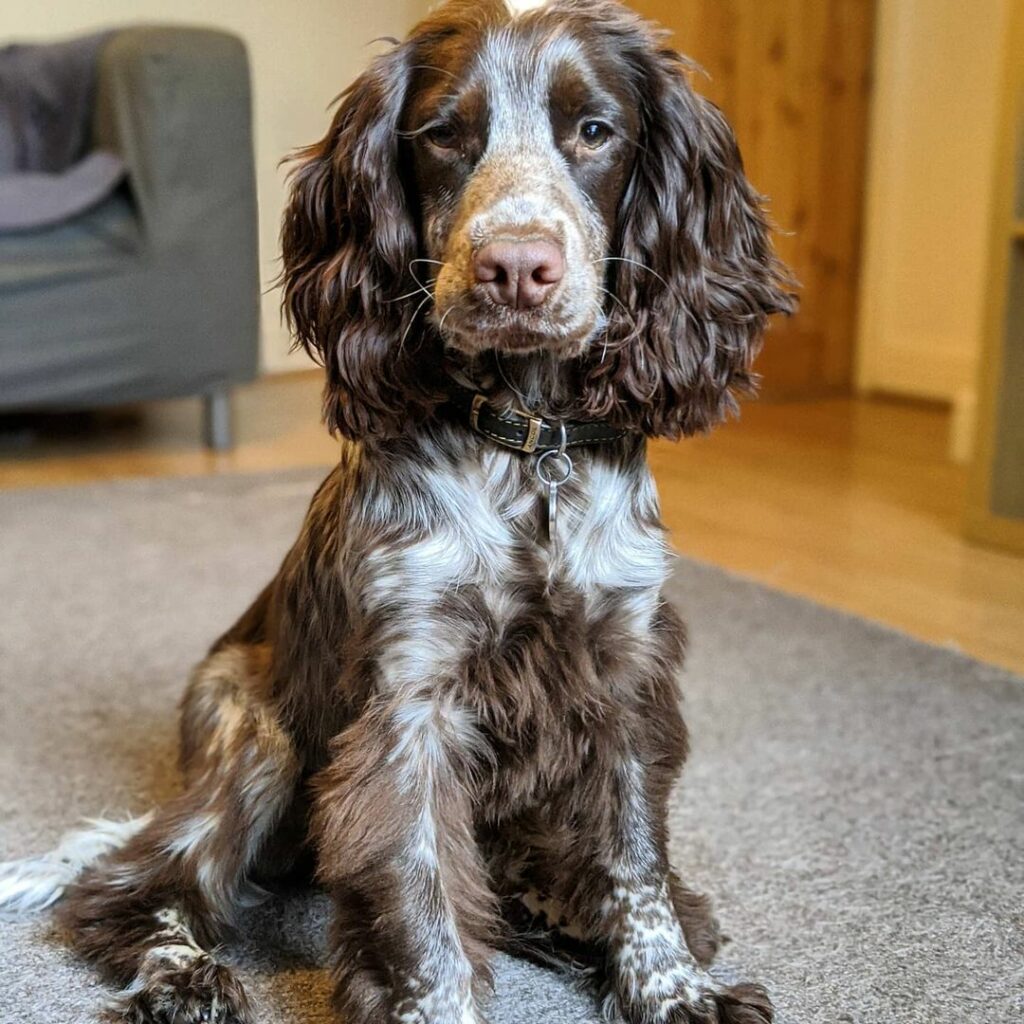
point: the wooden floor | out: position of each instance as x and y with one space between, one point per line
851 503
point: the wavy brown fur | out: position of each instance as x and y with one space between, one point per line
454 706
692 272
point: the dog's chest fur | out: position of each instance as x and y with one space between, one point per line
506 642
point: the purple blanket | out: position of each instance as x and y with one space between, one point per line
47 97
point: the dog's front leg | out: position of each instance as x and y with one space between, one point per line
635 903
393 826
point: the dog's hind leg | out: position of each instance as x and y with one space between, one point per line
148 911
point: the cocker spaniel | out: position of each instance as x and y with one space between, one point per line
523 247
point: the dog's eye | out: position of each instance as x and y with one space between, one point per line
443 136
595 134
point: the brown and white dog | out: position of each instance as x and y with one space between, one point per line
454 696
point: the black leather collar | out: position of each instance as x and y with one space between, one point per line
523 432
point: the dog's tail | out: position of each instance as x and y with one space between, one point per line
36 883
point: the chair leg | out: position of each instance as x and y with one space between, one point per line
217 425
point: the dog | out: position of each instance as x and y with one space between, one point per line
524 247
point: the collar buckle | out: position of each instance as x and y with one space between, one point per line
529 445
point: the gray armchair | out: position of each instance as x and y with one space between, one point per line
153 292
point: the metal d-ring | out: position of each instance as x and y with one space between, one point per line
550 479
561 453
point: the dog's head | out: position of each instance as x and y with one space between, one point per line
522 181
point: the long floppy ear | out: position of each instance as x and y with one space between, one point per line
694 269
348 242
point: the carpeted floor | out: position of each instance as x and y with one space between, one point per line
854 803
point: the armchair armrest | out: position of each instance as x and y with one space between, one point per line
174 104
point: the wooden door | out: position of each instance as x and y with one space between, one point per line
793 77
995 505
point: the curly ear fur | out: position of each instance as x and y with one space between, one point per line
693 268
695 271
348 243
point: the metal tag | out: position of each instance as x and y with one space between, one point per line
552 511
553 469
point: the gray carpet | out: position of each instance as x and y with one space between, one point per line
854 801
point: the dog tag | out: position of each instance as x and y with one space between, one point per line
552 512
553 469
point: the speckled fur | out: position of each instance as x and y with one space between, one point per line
449 712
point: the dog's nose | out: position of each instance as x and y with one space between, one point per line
519 274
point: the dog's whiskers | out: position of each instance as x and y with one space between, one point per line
424 289
687 312
412 273
635 263
629 316
524 401
447 313
604 332
412 321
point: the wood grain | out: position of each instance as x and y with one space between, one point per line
793 77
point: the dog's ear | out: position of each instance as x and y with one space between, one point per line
348 245
694 271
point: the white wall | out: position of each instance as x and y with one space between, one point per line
302 53
931 173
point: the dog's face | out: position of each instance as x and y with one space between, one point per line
543 181
522 141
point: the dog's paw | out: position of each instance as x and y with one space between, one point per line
707 1004
737 1004
202 992
744 1004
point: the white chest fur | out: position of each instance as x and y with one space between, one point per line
607 537
479 561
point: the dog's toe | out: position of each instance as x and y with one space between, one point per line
737 1004
744 1004
201 993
